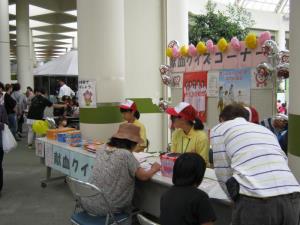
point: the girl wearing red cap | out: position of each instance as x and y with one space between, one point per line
131 115
189 135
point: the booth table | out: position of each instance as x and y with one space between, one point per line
78 163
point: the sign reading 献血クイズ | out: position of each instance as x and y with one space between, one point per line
71 163
81 166
87 93
61 159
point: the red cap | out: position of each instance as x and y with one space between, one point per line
184 110
128 104
253 114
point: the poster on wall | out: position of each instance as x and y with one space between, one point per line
260 80
213 84
195 91
234 87
87 93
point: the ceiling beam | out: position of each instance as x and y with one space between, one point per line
55 5
240 2
281 4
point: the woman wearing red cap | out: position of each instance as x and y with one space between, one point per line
131 115
189 135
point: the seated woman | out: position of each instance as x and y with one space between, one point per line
131 114
189 135
115 170
184 203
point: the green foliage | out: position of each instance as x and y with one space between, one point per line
234 21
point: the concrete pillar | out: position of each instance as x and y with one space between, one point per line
281 37
177 29
294 104
5 74
101 47
25 77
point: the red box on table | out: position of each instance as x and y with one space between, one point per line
167 163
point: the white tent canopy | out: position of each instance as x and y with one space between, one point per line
66 65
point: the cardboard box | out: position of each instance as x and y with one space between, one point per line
52 133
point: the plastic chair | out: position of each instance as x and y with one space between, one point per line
145 221
81 216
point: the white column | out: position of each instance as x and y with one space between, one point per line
101 48
281 36
177 29
294 104
32 52
5 74
25 77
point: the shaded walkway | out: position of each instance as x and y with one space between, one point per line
23 201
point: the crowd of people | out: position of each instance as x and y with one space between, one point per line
249 159
17 107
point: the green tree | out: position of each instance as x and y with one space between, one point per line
234 21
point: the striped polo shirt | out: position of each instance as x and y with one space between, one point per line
252 155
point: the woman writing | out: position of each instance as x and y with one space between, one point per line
131 114
115 171
189 135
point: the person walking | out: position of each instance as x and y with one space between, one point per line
21 100
10 107
3 121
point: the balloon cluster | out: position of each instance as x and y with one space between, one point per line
163 105
40 127
165 74
278 60
174 50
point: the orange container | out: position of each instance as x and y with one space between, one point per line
52 133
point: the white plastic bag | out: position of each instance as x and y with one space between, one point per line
8 140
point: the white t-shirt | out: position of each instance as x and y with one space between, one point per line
65 91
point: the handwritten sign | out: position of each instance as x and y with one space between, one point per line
40 148
230 59
87 93
61 159
260 81
213 84
81 166
48 154
177 79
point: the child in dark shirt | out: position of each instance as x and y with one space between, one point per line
184 203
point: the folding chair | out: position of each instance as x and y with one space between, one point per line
147 146
81 216
145 221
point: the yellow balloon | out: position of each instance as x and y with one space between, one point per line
250 41
169 52
40 127
201 48
222 45
184 50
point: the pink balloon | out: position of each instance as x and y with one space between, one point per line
210 46
175 52
264 36
235 44
192 50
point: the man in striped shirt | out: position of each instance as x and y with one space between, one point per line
248 159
